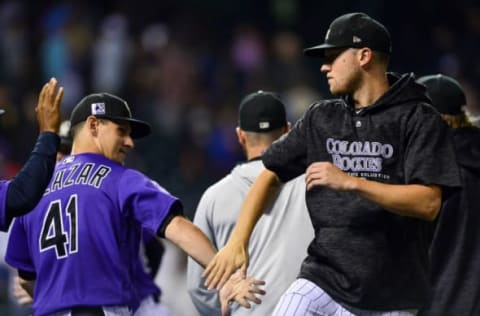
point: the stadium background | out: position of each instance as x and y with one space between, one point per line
183 65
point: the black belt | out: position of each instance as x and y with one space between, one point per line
88 311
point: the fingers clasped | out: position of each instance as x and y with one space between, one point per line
242 290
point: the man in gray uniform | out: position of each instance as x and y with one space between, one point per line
280 240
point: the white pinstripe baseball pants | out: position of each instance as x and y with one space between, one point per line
305 298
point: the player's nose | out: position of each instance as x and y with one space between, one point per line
129 142
325 67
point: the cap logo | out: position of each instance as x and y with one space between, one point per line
357 39
98 108
264 125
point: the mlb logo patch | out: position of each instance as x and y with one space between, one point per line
69 159
264 125
98 108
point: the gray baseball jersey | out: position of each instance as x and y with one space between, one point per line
277 246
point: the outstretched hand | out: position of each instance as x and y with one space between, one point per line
48 107
230 258
240 289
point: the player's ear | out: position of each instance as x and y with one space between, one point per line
365 55
240 136
92 125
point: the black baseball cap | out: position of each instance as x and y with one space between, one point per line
355 30
446 93
261 111
111 107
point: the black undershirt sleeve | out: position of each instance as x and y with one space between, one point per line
27 275
175 210
154 252
28 186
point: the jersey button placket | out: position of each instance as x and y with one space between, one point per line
361 125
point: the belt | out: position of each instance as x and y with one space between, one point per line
87 311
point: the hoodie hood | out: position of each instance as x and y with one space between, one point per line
403 89
467 147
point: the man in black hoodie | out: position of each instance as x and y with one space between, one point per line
455 249
377 162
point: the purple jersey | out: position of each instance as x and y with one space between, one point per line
144 281
3 201
83 237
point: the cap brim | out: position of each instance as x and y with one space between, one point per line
319 50
139 128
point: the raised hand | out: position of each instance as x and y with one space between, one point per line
48 107
230 258
240 289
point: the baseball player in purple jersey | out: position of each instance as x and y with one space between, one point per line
22 193
78 247
145 268
377 161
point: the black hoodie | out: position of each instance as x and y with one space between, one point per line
455 250
363 255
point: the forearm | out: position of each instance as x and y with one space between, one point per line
260 195
190 239
414 200
25 282
28 186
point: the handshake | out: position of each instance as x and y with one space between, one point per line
240 289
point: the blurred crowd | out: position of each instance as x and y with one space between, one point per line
184 65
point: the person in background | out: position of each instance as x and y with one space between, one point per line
455 247
65 140
145 270
64 148
20 194
280 240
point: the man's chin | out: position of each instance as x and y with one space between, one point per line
120 160
337 93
